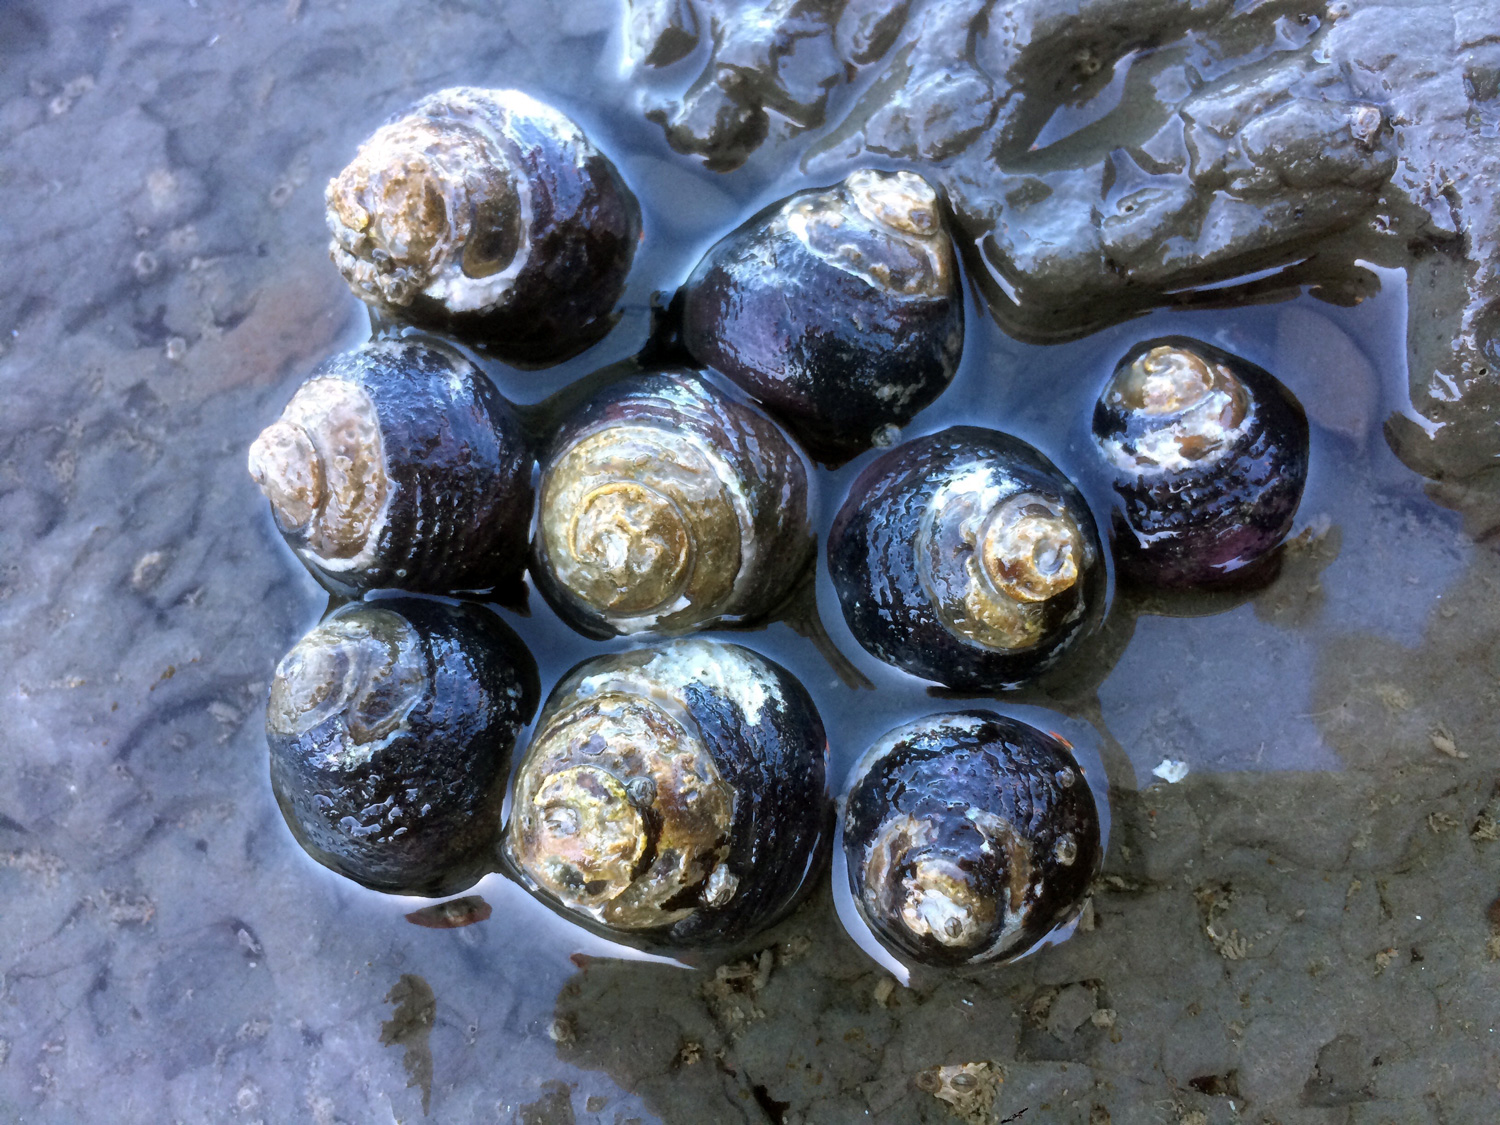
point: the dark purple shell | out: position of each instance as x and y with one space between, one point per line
969 837
1213 517
901 547
843 341
391 726
457 468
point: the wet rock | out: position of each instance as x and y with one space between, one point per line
1341 1075
1109 156
1242 175
659 34
1070 1010
778 59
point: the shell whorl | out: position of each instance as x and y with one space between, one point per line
641 522
434 204
1180 408
968 558
621 810
993 555
366 669
882 227
968 837
666 505
322 467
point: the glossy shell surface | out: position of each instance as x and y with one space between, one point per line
839 308
666 505
967 558
676 794
398 465
391 726
969 837
489 215
1208 454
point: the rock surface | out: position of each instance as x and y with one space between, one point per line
1109 156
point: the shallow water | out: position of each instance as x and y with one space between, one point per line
1302 918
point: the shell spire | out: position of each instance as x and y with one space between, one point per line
1208 456
666 506
965 557
398 465
390 727
456 215
969 837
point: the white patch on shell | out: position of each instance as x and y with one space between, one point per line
450 286
729 671
992 828
722 883
439 274
879 209
369 668
1158 453
977 481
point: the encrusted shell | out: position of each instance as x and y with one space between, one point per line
839 308
674 793
489 215
1208 454
398 465
391 726
967 558
969 837
666 505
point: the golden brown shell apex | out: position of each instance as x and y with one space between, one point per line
667 506
674 793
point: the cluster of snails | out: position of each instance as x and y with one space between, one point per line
676 793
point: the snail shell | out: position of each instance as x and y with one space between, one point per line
969 837
391 726
1208 455
488 215
675 793
399 465
838 308
666 505
965 557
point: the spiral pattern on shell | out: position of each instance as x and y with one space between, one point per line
969 837
398 465
838 308
666 505
1208 456
675 792
965 557
390 727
